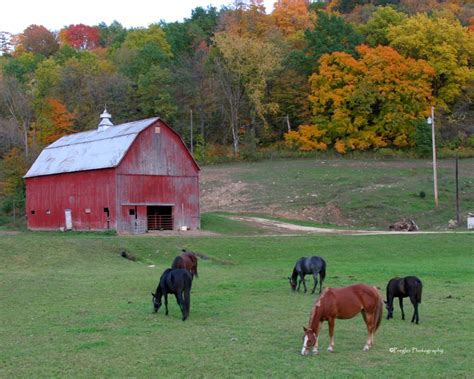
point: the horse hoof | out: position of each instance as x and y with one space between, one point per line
330 349
366 348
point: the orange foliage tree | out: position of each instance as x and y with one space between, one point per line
365 103
54 121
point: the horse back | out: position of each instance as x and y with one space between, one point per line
414 287
178 262
309 265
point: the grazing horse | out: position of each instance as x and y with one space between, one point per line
411 287
343 303
308 265
177 282
188 261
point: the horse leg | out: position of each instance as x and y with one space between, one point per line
304 283
315 276
369 319
415 306
316 346
331 323
179 299
166 303
400 300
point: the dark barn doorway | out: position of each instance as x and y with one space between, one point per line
160 217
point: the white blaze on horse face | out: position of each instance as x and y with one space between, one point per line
304 349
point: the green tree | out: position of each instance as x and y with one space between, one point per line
331 33
377 27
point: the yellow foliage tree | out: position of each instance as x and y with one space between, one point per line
365 103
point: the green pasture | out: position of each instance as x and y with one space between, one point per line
369 193
70 306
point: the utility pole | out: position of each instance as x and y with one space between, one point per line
191 116
431 120
458 214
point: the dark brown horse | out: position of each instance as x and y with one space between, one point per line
409 286
343 303
186 260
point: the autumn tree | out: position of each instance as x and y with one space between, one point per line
80 36
365 103
292 17
446 45
14 168
243 67
36 39
53 122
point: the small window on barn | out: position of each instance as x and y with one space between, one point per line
157 130
131 212
106 210
88 210
48 211
33 212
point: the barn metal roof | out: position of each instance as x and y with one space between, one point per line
89 150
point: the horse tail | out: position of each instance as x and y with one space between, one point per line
379 310
195 261
419 289
322 272
187 294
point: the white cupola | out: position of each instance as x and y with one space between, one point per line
105 122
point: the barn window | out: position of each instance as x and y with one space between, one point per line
48 211
88 210
157 130
106 210
131 212
33 212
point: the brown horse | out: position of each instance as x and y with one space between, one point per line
186 260
343 303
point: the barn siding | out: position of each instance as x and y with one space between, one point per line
142 190
158 153
80 191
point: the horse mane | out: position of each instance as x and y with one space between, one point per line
317 304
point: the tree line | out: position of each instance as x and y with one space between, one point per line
343 75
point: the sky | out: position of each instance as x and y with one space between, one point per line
17 15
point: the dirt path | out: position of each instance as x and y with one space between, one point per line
279 226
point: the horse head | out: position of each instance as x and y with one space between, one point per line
309 342
156 302
292 284
389 307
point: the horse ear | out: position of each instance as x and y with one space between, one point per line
305 330
385 301
152 294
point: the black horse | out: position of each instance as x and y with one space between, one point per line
409 286
308 265
178 282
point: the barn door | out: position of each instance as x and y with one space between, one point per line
68 216
160 218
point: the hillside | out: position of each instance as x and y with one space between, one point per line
340 192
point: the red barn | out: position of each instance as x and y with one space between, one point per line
132 177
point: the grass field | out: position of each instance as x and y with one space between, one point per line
70 306
359 193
